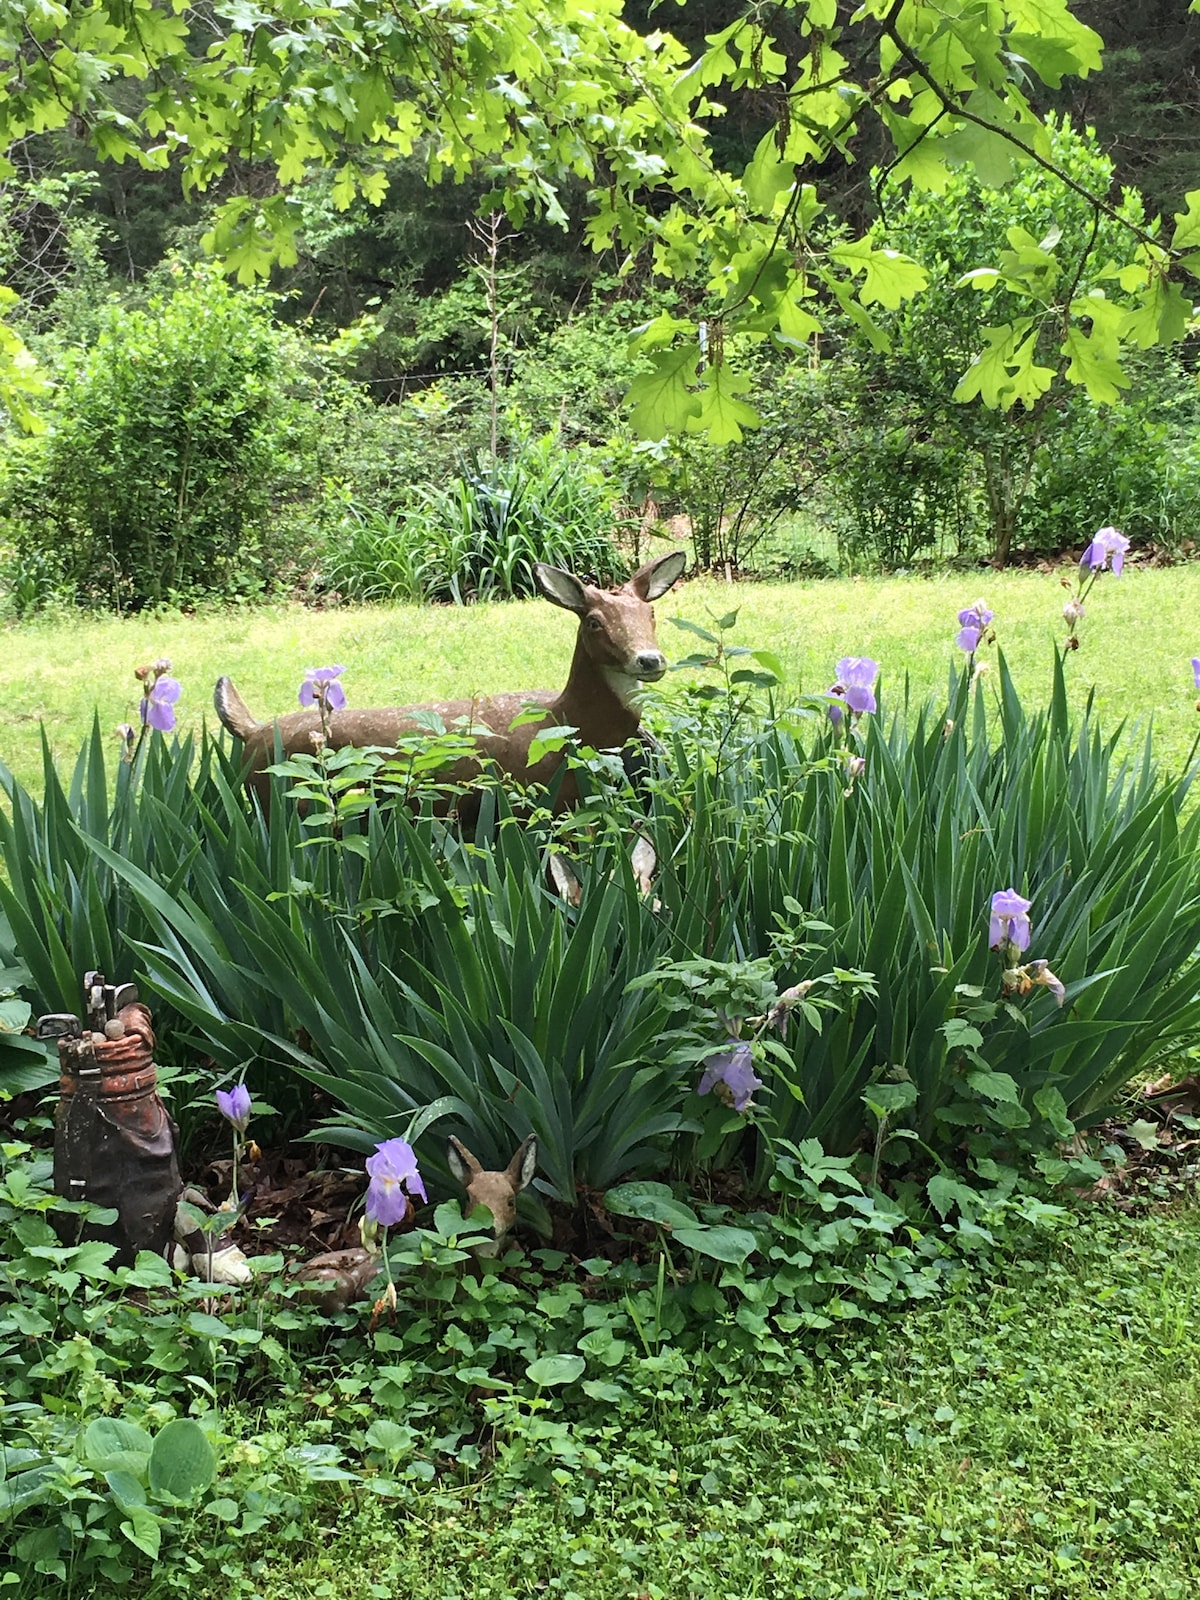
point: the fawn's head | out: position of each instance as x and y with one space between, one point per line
497 1191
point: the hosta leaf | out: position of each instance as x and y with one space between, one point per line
732 1245
111 1444
551 1371
650 1202
183 1463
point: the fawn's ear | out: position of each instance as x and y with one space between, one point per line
463 1164
521 1168
656 577
561 588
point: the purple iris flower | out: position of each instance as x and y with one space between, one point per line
392 1170
157 704
855 686
1010 920
973 622
1196 671
1108 544
731 1073
321 685
234 1105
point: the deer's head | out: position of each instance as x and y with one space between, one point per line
616 626
497 1191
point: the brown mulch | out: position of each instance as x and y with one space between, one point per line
302 1198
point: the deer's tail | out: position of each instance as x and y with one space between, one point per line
232 709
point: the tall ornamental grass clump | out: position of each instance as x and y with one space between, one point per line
479 536
817 955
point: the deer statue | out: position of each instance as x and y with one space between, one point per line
497 1191
616 653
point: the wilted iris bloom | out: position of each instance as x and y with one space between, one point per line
234 1105
158 702
320 686
392 1170
1109 545
855 686
1039 973
973 622
777 1016
1010 920
730 1074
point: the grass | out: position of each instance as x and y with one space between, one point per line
1034 1437
1135 649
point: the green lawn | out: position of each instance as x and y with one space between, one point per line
1132 653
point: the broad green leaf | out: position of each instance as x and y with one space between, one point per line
1147 1133
946 1192
1162 316
987 377
663 400
994 1086
650 1202
392 1437
1187 223
111 1445
890 277
721 415
1049 1103
611 1394
1055 43
890 1097
182 1461
732 1245
143 1530
126 1488
1093 365
1027 381
767 175
550 1371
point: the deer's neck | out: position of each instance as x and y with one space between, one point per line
598 702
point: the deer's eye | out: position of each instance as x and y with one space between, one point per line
594 623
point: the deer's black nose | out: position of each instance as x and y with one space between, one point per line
651 662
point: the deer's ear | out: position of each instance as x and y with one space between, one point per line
656 577
561 588
463 1164
524 1164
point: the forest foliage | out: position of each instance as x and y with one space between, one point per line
539 99
706 255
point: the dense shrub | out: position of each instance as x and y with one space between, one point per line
737 496
1136 465
174 450
921 474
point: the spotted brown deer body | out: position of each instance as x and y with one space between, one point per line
616 653
497 1191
